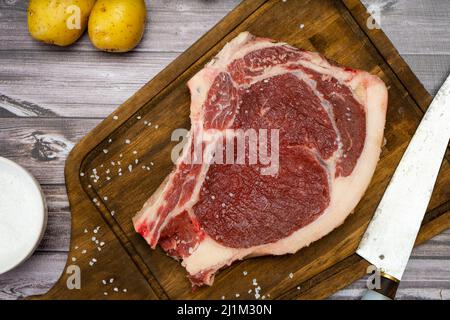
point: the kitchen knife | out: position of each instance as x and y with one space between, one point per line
389 239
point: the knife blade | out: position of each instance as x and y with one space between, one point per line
390 236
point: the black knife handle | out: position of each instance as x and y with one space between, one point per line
387 291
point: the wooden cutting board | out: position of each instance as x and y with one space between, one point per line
117 166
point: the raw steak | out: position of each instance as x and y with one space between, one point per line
330 121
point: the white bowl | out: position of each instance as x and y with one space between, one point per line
23 215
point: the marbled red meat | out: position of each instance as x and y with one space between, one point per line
329 121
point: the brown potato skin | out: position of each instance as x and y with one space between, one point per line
117 25
49 20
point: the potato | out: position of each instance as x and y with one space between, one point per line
117 25
59 22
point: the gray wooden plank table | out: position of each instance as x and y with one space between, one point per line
51 97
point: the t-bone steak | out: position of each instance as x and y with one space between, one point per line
330 121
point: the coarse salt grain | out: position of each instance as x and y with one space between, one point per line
257 292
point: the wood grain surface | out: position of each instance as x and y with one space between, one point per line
51 97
